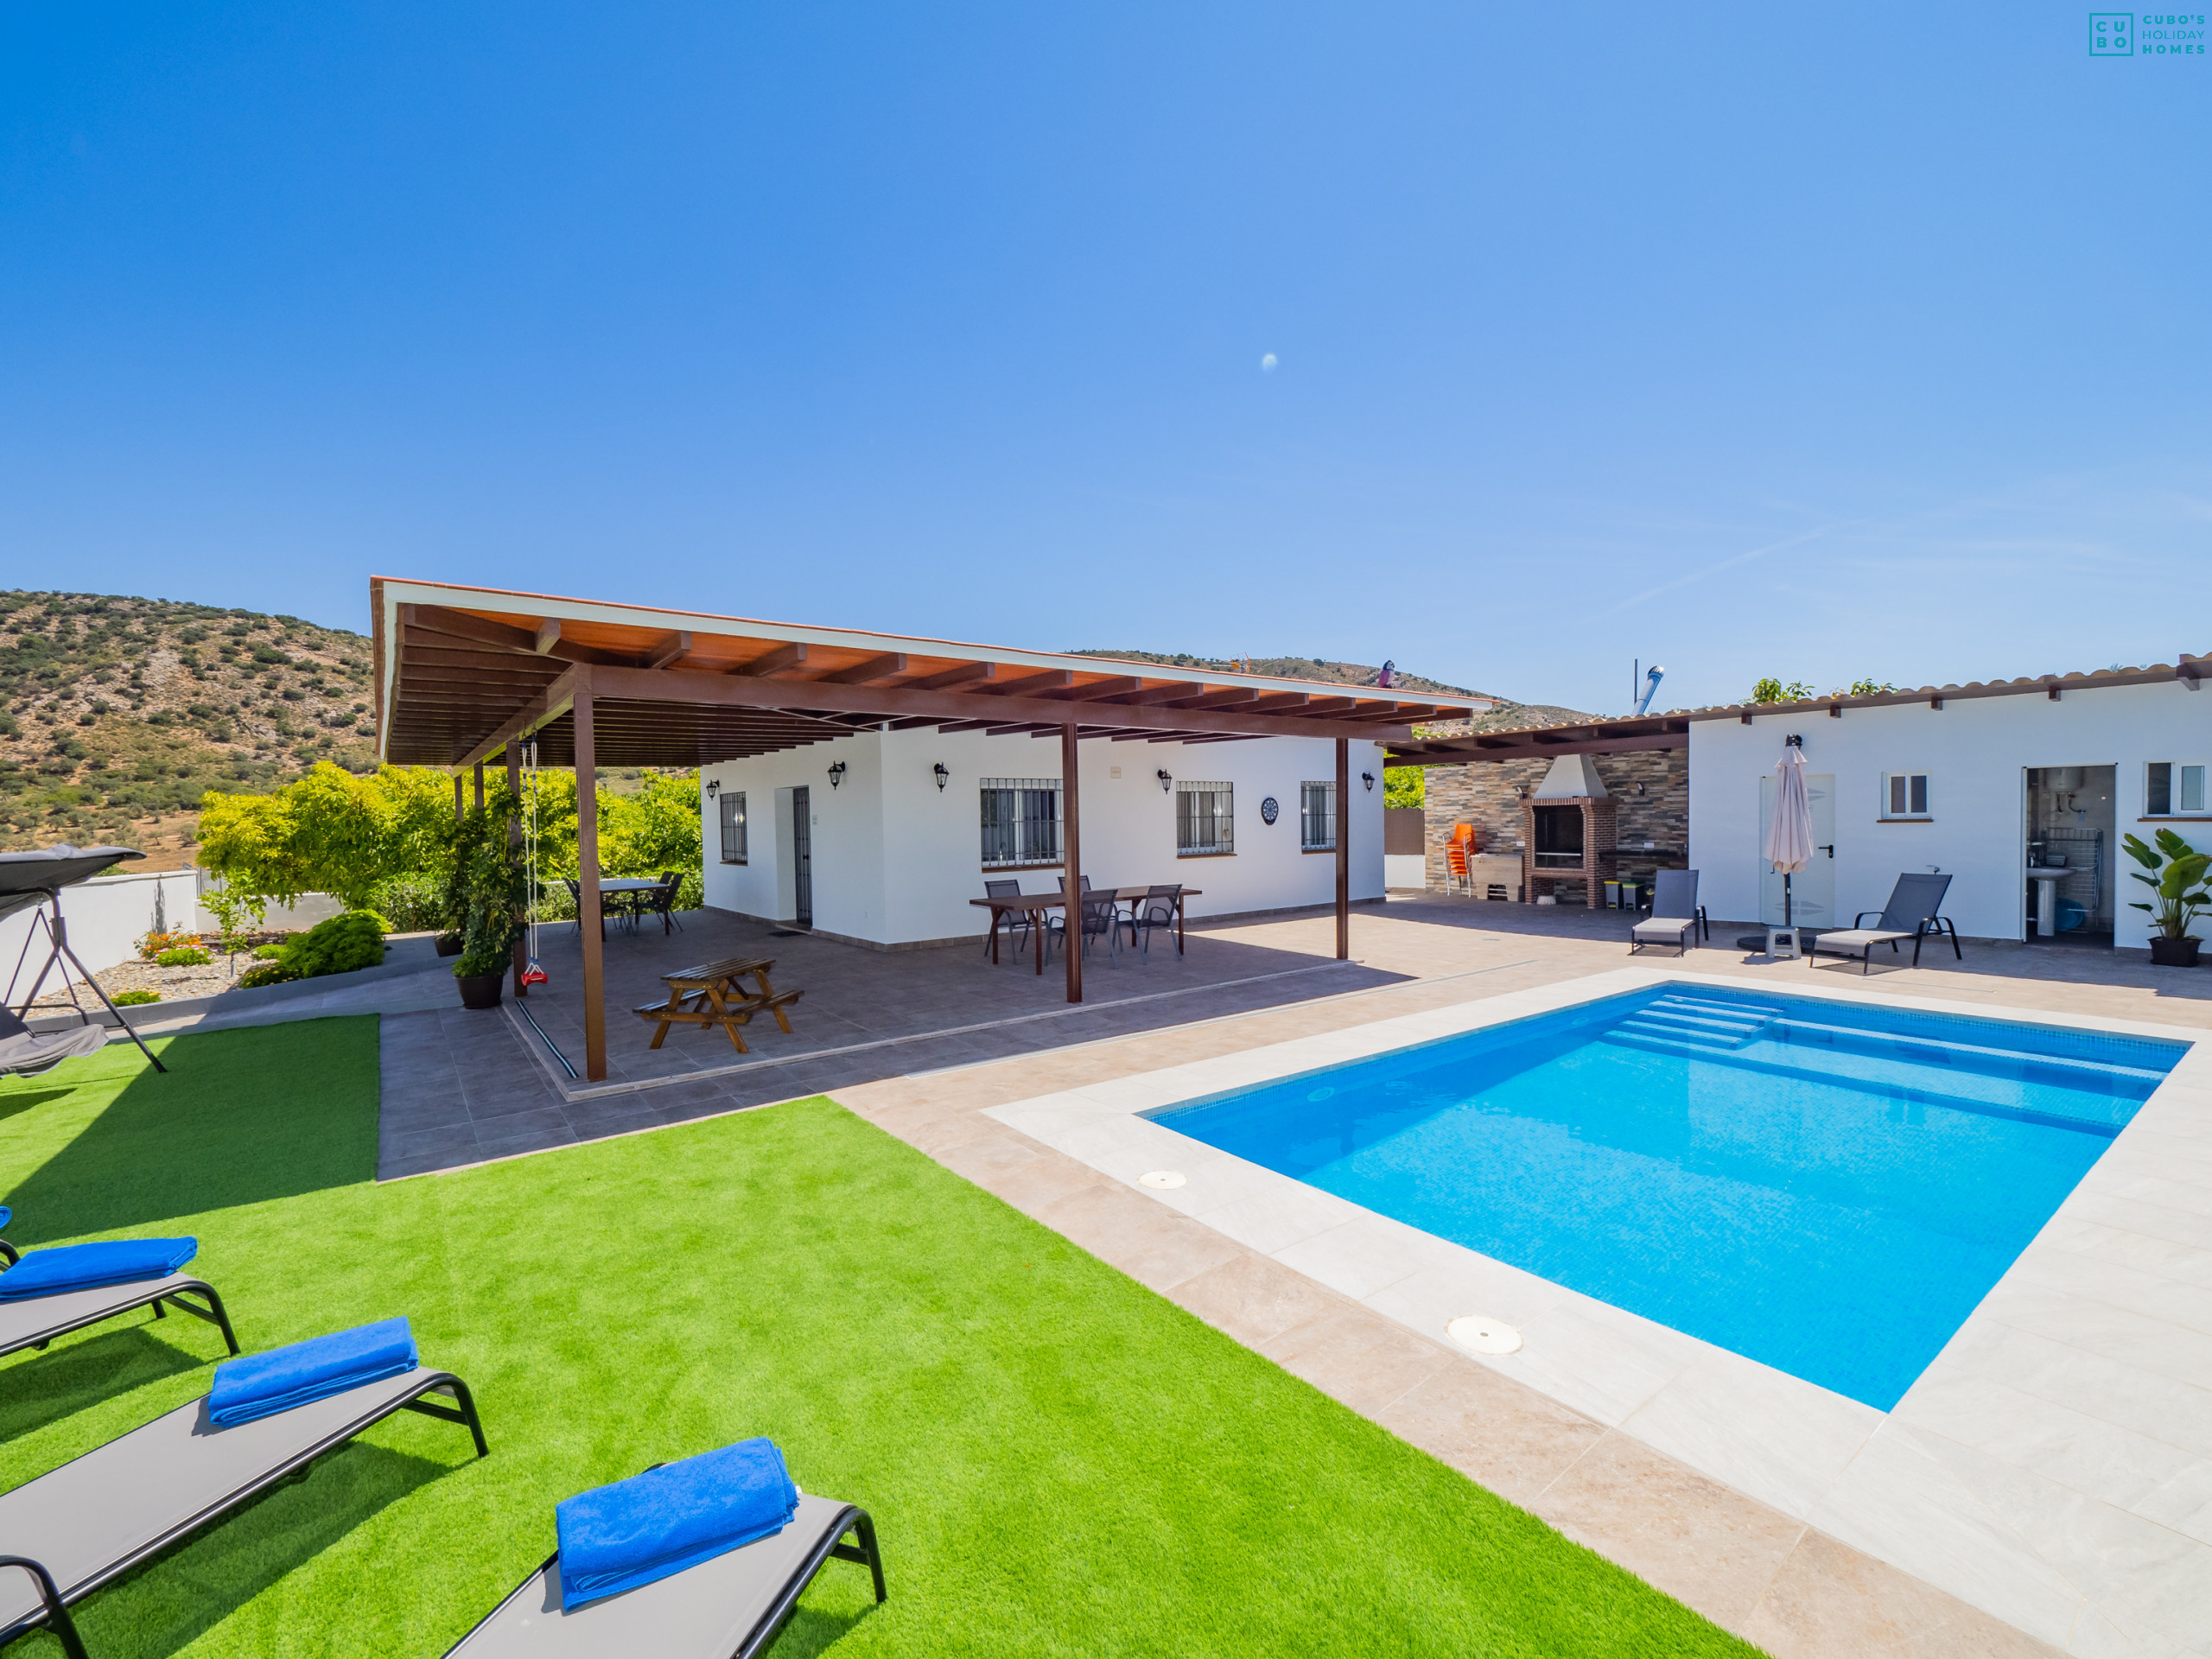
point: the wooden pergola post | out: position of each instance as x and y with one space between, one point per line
458 806
1344 849
480 786
587 913
514 839
1071 835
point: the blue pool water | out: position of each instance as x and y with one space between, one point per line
1827 1188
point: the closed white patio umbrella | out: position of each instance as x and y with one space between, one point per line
1790 831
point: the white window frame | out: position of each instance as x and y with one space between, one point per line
2180 785
730 820
1219 821
1890 780
1322 839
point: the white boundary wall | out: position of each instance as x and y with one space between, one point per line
896 861
1977 753
106 916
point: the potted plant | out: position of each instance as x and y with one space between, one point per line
484 901
450 942
2176 879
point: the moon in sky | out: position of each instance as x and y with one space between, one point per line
1267 363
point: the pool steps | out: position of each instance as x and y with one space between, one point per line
1698 1029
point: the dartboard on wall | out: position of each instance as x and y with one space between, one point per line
1268 810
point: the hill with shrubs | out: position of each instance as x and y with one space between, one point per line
118 714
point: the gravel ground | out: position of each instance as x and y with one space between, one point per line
172 983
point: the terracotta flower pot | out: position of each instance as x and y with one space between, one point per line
480 990
2174 953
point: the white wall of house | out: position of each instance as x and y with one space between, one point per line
896 860
1976 752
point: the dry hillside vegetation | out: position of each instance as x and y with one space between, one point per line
118 713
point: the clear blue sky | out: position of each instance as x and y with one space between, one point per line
1828 341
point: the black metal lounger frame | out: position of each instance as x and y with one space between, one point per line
851 1518
173 1293
1931 927
463 1411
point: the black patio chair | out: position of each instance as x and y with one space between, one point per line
1910 914
1156 909
1097 917
661 901
1015 922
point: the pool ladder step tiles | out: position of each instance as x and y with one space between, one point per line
1685 1024
1888 1044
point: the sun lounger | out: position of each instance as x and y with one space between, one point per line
729 1607
93 1520
39 1320
1675 916
1910 914
8 1253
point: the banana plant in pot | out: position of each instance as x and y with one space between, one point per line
2177 880
484 899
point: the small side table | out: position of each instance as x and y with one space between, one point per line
1782 944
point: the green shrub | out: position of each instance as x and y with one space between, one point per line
135 999
413 903
268 953
184 956
266 973
338 945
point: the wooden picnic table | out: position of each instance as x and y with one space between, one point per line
702 996
1034 905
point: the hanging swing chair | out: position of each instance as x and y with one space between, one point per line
532 973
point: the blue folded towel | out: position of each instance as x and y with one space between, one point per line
654 1525
89 1266
6 1215
261 1385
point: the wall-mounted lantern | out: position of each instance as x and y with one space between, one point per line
714 787
1368 778
942 775
836 774
1167 782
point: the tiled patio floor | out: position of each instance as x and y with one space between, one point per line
461 1087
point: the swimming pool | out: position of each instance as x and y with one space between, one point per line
1826 1188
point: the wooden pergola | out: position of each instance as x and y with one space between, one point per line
467 674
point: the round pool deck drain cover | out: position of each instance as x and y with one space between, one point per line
1481 1336
1162 1180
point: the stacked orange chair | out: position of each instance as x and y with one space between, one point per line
1456 852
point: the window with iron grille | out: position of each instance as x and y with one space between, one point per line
1317 817
1021 822
1205 824
733 826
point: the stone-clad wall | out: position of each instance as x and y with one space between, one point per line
1483 795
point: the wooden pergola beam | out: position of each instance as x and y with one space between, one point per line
897 702
875 668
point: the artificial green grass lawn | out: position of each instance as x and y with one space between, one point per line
1057 1460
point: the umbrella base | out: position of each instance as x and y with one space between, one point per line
1763 944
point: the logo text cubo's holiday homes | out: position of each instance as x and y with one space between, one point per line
2146 34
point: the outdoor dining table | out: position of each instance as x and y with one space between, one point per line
1034 905
625 885
703 996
